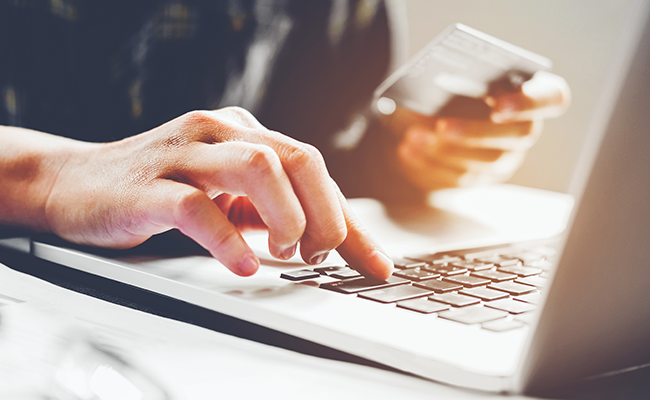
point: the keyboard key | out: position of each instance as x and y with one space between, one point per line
467 281
395 293
472 265
405 263
500 261
446 270
321 280
511 306
360 284
455 299
495 276
346 273
472 315
424 306
521 270
512 288
328 270
532 298
502 325
416 274
436 258
299 275
484 294
536 281
438 286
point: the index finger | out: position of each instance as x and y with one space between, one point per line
545 95
360 249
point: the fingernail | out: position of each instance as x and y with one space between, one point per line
381 265
538 89
319 258
289 252
503 116
249 265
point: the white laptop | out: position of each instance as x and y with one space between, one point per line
504 319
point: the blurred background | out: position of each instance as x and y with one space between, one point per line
578 35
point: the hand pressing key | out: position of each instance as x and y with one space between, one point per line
210 174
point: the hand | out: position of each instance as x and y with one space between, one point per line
210 174
442 152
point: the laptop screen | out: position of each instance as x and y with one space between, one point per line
596 317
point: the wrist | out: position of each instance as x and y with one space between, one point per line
30 162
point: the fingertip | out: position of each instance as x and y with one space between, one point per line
289 252
247 266
499 117
379 265
319 258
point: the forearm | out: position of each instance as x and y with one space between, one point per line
29 165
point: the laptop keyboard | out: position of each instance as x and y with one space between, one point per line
495 287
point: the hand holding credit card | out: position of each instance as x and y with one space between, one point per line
461 61
467 107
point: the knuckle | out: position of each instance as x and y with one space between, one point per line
197 118
303 155
193 125
292 230
188 204
327 236
336 233
240 111
241 116
262 160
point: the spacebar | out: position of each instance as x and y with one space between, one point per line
360 284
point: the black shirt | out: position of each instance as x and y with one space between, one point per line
104 70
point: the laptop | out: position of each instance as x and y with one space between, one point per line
574 310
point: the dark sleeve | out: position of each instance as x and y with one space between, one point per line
322 85
370 169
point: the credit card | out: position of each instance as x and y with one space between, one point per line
460 62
